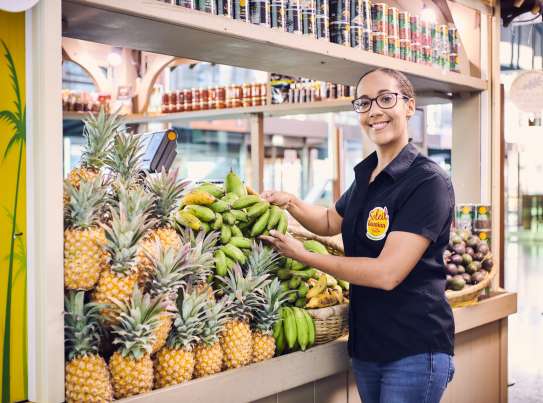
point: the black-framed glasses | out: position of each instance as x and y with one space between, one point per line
386 100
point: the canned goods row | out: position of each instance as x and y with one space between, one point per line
307 91
232 96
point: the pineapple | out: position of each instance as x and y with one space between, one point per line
87 376
265 317
165 191
208 354
131 366
246 295
99 132
84 239
170 266
175 362
120 275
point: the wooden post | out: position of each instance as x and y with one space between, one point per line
257 151
338 164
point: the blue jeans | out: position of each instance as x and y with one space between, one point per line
420 378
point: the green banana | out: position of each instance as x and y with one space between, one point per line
241 242
318 288
289 262
292 298
229 218
219 206
289 323
302 290
234 184
230 263
294 283
226 234
202 212
245 201
275 215
301 328
217 224
297 265
282 226
220 263
230 198
300 303
212 189
284 286
315 246
310 327
256 210
304 274
284 274
280 338
260 224
239 215
188 220
205 227
234 253
236 231
343 284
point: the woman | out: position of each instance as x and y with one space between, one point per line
395 221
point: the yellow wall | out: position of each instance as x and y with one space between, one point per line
12 33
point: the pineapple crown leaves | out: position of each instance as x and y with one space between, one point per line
245 291
189 319
125 157
201 258
135 198
139 318
267 313
262 259
217 314
166 191
171 267
123 235
82 324
99 132
83 209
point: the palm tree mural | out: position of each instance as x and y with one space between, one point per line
16 118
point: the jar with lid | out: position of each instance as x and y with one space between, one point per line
221 97
204 98
263 94
187 95
165 102
173 102
246 95
212 97
180 101
196 99
256 99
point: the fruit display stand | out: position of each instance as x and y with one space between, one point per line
322 372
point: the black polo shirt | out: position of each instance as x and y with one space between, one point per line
412 194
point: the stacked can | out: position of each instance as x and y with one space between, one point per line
322 20
208 6
259 12
360 15
277 14
436 45
405 35
308 17
426 42
294 16
379 26
393 28
221 7
453 48
186 3
339 22
445 48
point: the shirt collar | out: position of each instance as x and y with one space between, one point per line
394 169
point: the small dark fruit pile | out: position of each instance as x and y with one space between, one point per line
468 260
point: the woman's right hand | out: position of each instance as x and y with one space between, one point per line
280 199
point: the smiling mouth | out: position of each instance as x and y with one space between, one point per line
379 125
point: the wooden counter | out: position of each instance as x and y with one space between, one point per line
321 374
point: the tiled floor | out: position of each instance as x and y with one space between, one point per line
524 274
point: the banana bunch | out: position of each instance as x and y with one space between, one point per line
238 216
294 330
309 287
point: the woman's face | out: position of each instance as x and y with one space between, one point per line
384 126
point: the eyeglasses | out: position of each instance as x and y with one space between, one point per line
386 100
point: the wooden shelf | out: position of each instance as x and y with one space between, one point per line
163 28
338 105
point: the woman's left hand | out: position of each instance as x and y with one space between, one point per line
285 245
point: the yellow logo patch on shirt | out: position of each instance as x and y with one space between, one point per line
377 225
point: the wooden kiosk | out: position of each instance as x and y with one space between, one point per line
322 373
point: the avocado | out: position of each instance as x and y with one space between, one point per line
456 283
466 259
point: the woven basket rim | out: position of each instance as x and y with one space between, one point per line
471 291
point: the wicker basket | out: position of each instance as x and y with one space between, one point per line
470 294
330 322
